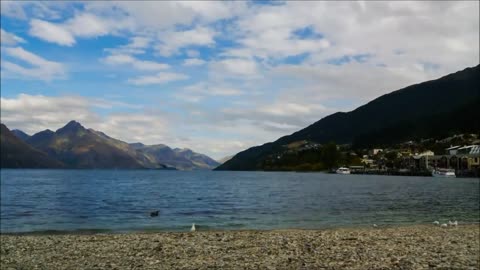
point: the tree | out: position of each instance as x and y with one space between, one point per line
330 155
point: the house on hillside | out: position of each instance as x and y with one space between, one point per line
466 158
374 152
452 150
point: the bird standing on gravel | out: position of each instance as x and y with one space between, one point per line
193 228
453 224
444 225
436 223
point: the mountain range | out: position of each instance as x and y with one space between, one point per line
15 153
74 146
435 108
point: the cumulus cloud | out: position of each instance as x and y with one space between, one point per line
167 14
171 42
235 67
189 62
159 78
33 113
125 59
12 9
51 32
211 89
34 66
9 39
137 45
84 25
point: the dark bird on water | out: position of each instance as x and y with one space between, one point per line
154 214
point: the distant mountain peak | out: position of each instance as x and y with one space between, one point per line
137 145
183 150
20 134
72 126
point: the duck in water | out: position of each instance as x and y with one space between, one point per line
154 213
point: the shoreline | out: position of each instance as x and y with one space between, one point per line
93 231
396 247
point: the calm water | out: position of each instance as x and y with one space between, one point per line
44 200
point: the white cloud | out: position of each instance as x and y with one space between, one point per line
190 62
211 89
171 42
87 25
137 45
84 25
192 53
162 15
51 32
290 109
236 66
37 68
7 38
159 78
33 113
12 9
123 59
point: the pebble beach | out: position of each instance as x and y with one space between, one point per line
410 247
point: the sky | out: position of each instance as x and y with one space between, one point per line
219 77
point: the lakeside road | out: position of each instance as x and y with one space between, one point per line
409 247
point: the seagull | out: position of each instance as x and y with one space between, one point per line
193 228
454 224
444 225
375 225
436 223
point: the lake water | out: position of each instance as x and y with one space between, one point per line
121 200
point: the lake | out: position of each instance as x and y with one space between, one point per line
121 200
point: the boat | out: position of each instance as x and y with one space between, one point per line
443 173
343 170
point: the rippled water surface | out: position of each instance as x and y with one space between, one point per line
111 200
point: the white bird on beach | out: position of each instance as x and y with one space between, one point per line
436 223
193 228
375 225
444 225
454 224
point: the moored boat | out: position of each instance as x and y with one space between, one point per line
443 173
343 170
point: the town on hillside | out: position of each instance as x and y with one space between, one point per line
459 154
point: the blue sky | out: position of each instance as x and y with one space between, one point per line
218 77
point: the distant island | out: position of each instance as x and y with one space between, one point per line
420 120
76 147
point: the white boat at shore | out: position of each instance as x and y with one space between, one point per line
443 173
343 170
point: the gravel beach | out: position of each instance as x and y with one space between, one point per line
411 247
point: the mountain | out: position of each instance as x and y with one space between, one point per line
17 154
74 146
20 134
225 159
183 159
78 147
445 105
